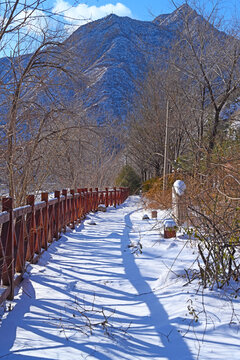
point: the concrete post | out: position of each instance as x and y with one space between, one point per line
179 202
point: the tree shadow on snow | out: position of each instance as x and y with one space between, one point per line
173 345
150 336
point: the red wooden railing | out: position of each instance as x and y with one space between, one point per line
27 231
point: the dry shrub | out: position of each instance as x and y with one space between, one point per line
216 194
213 203
214 213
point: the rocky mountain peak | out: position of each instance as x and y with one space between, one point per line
114 54
176 17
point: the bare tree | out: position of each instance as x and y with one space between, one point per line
38 74
200 79
156 122
209 62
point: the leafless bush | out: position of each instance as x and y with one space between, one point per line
87 318
214 219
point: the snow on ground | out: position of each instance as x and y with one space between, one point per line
95 294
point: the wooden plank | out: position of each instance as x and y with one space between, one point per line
53 201
23 210
40 205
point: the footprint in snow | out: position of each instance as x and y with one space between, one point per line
173 244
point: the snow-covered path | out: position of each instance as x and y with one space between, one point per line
90 297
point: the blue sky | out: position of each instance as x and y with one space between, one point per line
137 9
78 12
142 9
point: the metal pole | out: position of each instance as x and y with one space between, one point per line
165 149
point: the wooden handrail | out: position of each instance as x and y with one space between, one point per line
27 231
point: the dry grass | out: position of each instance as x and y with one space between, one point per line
159 199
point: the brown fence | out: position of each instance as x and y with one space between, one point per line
27 231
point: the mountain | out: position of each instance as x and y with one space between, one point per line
109 57
116 52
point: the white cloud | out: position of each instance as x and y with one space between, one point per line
35 21
82 13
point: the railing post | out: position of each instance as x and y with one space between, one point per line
8 246
100 197
123 194
64 193
96 199
73 209
83 202
86 200
20 242
106 197
120 196
31 227
57 231
90 200
77 202
115 196
44 197
80 204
